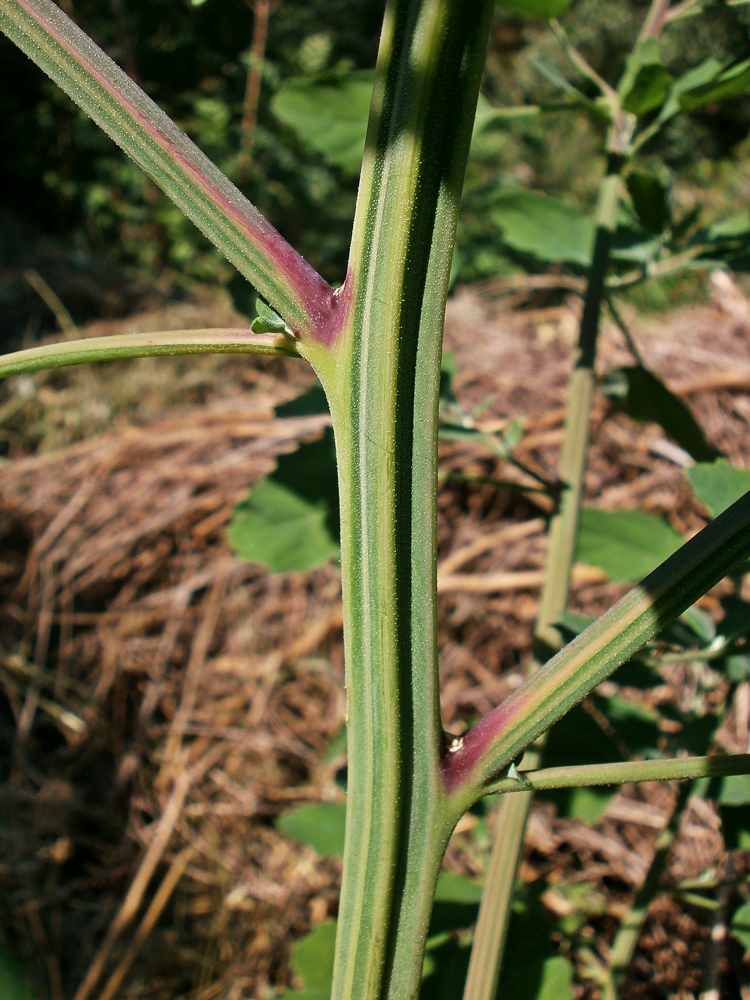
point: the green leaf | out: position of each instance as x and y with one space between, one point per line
649 89
718 484
650 200
741 925
634 725
549 229
575 740
268 321
312 961
320 826
290 520
552 74
533 973
544 9
627 545
329 114
557 979
735 827
278 529
731 83
588 804
734 226
736 620
699 75
452 888
645 83
13 982
637 392
309 404
735 790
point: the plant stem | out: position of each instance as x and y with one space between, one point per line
261 13
382 381
175 163
512 814
563 532
146 345
626 772
626 939
597 652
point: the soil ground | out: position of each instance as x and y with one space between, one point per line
162 702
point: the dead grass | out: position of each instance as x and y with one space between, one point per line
163 701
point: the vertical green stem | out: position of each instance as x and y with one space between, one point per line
513 811
382 380
563 531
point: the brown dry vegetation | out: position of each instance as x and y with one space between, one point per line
162 702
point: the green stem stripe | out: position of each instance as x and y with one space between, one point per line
623 773
383 385
174 162
568 677
146 345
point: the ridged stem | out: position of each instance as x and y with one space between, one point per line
597 652
382 381
146 345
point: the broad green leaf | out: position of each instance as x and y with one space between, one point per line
637 392
544 9
731 83
13 982
718 484
575 740
588 804
627 545
320 826
533 973
698 76
736 620
312 961
550 72
329 114
741 925
549 229
731 227
309 404
557 979
735 827
645 83
452 888
735 790
650 200
279 529
649 89
290 520
445 966
634 725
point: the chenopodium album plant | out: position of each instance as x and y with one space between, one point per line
375 344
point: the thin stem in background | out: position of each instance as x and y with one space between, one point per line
622 772
512 813
629 931
262 12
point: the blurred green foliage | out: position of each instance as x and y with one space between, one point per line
61 172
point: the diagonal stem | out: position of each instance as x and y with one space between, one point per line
597 652
173 161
